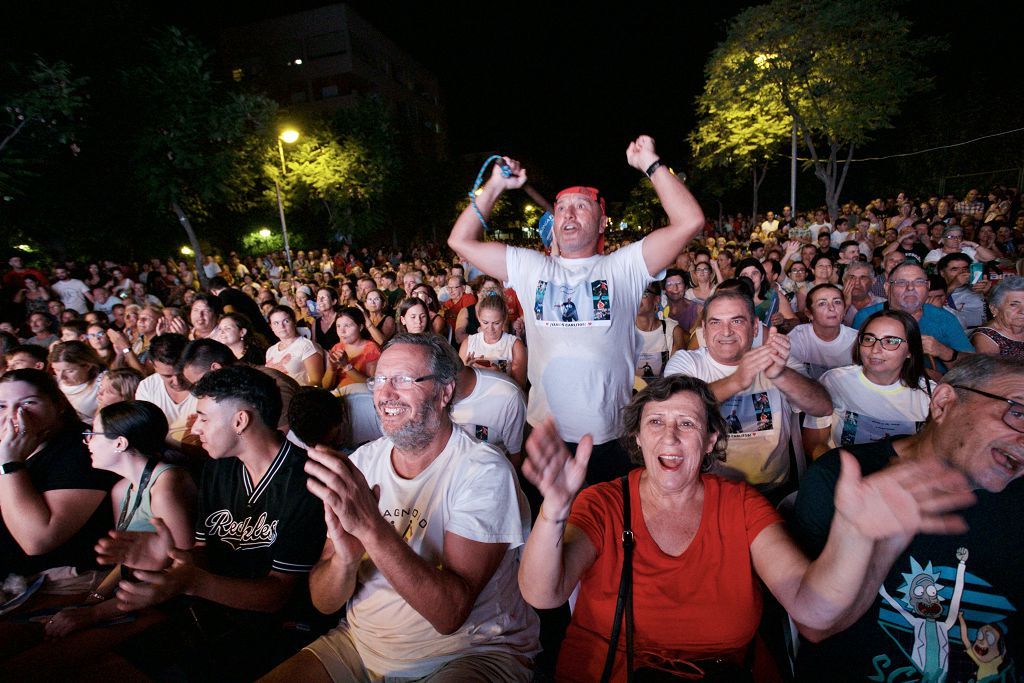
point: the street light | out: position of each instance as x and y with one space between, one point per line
264 233
288 135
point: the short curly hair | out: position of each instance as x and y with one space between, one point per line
245 384
663 388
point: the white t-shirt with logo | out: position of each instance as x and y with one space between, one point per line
494 412
815 355
865 412
470 489
759 420
935 255
580 319
152 389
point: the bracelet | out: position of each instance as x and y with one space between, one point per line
553 521
956 354
98 597
653 167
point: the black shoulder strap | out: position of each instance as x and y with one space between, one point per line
125 518
625 599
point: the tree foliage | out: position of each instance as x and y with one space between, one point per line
642 208
839 69
197 142
42 104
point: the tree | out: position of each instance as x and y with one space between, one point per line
739 130
41 112
198 143
642 209
841 69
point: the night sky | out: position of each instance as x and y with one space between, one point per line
563 86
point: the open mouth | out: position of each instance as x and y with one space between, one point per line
671 462
1009 462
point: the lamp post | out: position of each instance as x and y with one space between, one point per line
288 136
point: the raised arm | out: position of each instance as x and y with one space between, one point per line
685 217
466 238
896 503
38 522
556 553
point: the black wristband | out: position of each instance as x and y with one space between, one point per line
956 354
12 467
653 167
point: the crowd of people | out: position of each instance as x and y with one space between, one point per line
752 450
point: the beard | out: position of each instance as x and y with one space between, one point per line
418 432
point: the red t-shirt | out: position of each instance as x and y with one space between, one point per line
704 603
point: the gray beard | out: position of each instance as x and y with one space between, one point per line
418 433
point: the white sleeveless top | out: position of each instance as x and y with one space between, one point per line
499 353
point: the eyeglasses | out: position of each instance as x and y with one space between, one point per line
703 270
888 341
952 237
96 335
677 285
1014 415
87 436
399 382
903 284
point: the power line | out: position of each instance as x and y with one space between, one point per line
922 151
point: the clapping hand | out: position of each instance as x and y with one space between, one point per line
553 470
138 549
907 498
154 587
343 488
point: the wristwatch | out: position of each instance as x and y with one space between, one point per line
11 467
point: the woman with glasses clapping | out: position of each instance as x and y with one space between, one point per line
884 394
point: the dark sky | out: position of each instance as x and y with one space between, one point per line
562 85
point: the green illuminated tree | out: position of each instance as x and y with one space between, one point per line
738 130
198 144
642 208
838 69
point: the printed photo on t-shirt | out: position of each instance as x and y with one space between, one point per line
585 304
859 428
748 413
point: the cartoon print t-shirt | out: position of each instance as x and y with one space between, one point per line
949 609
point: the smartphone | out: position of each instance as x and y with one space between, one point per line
977 271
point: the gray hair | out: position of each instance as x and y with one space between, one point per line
445 363
1011 283
978 369
858 265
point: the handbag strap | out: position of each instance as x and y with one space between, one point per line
625 593
125 518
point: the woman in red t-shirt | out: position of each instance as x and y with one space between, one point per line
703 544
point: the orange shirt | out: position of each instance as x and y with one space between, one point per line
704 603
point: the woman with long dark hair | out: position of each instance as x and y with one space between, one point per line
354 357
885 393
128 438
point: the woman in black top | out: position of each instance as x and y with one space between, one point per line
52 501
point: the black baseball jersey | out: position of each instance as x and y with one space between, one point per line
253 528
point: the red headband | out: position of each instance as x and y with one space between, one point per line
591 193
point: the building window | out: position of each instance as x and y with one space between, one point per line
326 45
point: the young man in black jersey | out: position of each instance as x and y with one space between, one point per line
258 534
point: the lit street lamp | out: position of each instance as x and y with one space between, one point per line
289 135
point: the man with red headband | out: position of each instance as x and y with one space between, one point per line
580 305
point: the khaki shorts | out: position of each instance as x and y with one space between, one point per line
339 657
